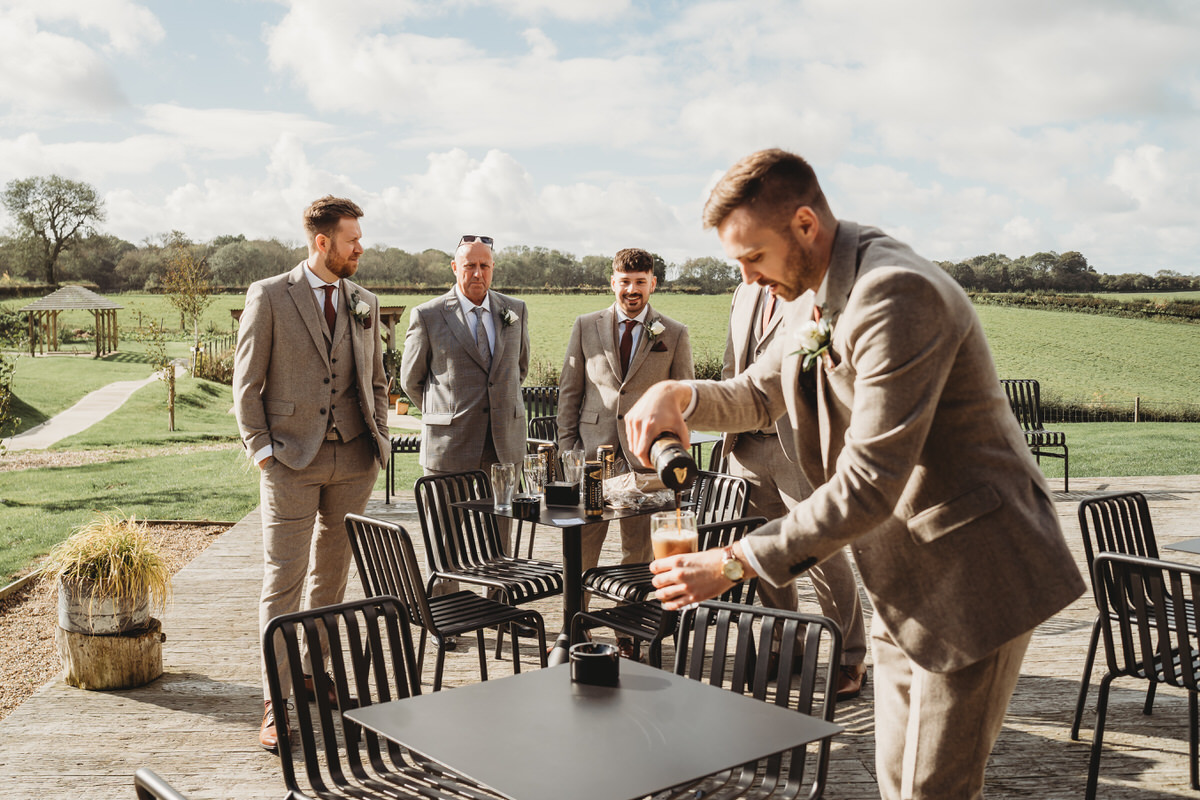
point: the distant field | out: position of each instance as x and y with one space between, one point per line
1149 295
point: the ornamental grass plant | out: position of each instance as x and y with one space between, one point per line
113 555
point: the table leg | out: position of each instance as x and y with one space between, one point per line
572 590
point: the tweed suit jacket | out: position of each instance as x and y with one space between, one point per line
443 372
744 312
917 461
282 373
592 396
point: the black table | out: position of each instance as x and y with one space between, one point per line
538 736
1186 546
570 520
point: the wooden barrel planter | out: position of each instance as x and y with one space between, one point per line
106 644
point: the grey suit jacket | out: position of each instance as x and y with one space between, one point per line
593 398
282 372
443 372
917 461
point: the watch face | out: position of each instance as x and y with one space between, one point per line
732 568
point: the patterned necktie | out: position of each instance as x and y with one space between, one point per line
330 311
481 337
626 346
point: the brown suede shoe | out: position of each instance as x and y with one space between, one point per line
851 681
268 737
310 691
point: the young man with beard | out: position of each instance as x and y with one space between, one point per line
615 355
916 462
310 396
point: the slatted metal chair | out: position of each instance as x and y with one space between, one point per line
715 497
400 444
150 786
718 643
1025 399
644 619
465 546
368 646
542 430
540 401
1114 523
388 565
1147 636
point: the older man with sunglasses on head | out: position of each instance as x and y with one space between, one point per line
465 356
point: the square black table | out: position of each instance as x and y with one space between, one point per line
539 736
570 520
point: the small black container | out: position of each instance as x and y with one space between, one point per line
527 506
596 664
561 493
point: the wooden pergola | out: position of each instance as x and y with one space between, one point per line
43 318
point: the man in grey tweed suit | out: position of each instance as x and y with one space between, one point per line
310 397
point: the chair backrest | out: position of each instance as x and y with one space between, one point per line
1144 606
149 786
1117 523
718 459
544 429
725 644
723 534
719 497
367 647
388 565
455 538
1025 400
540 401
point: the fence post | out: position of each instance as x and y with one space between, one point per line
1137 408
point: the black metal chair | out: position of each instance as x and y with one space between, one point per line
400 444
718 644
1025 399
1148 636
542 430
643 618
388 565
716 497
540 401
368 646
1114 523
465 546
149 786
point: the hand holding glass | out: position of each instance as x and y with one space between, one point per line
535 474
504 483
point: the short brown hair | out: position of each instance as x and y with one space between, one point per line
773 183
323 215
633 259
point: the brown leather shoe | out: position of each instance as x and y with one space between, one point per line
628 648
268 737
851 681
310 691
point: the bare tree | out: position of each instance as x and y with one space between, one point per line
52 213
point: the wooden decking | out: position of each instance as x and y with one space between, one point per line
197 725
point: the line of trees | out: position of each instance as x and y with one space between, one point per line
54 239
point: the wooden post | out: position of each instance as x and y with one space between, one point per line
119 661
1137 408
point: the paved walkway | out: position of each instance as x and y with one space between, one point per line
197 724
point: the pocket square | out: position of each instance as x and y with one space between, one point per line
659 347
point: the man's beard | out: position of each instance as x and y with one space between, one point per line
799 269
342 267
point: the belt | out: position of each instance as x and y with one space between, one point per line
759 434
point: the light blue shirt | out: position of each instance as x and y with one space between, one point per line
468 309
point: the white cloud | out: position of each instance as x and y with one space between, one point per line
231 132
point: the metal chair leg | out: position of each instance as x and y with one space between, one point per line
1088 663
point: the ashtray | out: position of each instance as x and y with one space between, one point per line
526 506
596 664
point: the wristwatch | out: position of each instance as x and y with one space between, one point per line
731 567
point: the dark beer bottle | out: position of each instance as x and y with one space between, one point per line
675 466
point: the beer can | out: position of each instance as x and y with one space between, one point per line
606 454
593 489
548 454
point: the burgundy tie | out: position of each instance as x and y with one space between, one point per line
626 346
330 311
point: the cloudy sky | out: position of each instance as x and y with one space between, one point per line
963 128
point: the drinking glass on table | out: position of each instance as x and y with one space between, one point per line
535 474
504 483
572 461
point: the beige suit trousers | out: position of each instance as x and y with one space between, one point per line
306 552
777 486
935 730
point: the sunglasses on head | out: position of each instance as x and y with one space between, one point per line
472 238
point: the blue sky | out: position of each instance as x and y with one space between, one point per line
963 128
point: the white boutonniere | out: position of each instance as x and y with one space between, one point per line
508 317
814 337
360 310
655 329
